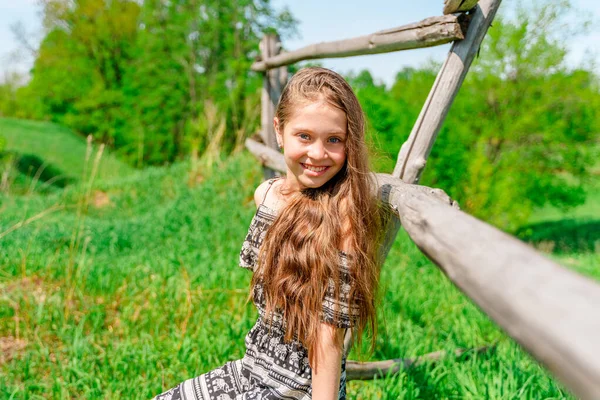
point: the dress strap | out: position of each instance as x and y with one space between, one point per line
271 181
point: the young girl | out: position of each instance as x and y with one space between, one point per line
312 246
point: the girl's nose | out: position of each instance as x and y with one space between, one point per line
317 151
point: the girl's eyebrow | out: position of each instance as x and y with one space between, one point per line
301 129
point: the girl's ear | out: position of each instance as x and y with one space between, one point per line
278 133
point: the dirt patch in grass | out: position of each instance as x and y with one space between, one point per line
10 347
101 199
33 285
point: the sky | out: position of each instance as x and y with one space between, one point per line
326 20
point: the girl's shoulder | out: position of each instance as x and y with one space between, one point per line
262 190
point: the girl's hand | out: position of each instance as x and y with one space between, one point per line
326 374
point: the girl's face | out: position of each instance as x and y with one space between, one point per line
314 144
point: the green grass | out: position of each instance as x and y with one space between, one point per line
56 147
129 298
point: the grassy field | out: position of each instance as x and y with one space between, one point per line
128 296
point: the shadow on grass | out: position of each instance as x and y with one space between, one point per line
431 384
564 236
423 378
33 166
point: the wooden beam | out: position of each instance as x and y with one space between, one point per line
267 156
426 33
452 6
414 152
380 369
552 312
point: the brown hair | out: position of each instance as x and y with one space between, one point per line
300 253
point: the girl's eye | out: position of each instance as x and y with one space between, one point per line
304 136
335 140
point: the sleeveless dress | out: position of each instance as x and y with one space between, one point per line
271 368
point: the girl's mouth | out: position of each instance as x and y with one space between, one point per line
316 171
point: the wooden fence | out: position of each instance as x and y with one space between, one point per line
551 311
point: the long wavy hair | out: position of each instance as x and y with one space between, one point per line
300 252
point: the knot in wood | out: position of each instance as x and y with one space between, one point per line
420 163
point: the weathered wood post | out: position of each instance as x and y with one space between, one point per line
414 152
273 82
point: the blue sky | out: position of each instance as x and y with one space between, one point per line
324 20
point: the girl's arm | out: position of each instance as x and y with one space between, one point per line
326 374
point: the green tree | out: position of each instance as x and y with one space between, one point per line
8 94
78 74
190 53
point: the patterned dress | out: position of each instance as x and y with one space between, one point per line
271 368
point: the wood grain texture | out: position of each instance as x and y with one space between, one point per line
452 6
413 154
426 33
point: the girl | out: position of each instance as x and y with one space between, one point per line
312 246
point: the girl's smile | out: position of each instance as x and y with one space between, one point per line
314 169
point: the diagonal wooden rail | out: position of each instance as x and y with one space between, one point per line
413 154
